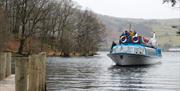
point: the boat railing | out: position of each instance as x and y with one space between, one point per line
129 50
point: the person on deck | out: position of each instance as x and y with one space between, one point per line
135 32
131 33
113 44
127 33
123 34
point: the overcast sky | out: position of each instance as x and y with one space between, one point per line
147 9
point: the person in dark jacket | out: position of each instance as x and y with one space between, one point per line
127 33
113 44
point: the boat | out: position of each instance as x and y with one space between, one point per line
135 50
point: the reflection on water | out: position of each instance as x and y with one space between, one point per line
99 73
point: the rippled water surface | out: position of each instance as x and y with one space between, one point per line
99 73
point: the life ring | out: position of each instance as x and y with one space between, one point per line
144 40
123 39
135 39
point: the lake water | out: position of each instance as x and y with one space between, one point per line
99 73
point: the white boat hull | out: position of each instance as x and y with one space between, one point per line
133 59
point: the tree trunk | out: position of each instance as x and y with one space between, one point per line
21 46
22 40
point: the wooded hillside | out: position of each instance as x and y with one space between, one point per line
166 34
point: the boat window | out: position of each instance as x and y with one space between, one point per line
150 51
129 49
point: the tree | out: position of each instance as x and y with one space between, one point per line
174 2
64 10
4 31
26 17
38 24
89 31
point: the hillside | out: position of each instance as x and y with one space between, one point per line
166 35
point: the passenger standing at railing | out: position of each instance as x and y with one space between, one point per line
131 33
134 32
123 34
153 41
113 44
128 36
127 33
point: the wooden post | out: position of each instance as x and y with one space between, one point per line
31 73
40 63
13 61
21 74
2 66
8 64
43 70
37 72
